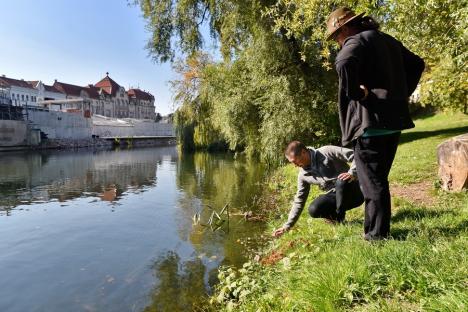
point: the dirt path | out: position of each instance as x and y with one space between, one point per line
418 193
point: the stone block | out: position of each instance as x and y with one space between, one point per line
453 163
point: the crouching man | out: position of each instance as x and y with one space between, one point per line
328 168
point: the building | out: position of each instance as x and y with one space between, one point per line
141 104
116 97
46 92
20 92
106 97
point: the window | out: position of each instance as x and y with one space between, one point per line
27 97
22 97
12 95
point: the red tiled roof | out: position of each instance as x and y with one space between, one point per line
107 84
92 91
140 95
48 88
68 89
9 82
51 89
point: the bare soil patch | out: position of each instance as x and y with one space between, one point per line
418 193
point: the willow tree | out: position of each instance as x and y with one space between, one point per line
194 126
275 81
263 93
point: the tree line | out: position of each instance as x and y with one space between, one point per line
275 80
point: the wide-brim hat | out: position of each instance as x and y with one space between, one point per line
339 18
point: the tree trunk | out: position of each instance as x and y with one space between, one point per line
453 163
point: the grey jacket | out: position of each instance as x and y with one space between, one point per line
327 162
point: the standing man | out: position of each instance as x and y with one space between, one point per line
327 167
377 74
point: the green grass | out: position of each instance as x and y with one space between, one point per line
330 268
416 159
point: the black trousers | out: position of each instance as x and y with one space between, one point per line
347 195
374 157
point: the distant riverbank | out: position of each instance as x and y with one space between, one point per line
97 143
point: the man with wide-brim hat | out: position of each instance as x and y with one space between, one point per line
377 74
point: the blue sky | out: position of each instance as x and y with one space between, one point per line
78 41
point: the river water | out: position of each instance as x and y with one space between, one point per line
113 230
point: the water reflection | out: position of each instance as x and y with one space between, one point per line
112 230
207 183
179 287
46 176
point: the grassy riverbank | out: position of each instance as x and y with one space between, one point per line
322 267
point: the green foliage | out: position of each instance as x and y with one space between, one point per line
236 285
264 100
437 30
194 126
275 82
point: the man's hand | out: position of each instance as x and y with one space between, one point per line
366 92
346 176
278 232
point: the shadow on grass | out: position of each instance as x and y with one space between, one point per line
431 232
354 222
417 135
419 213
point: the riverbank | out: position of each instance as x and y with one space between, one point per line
322 267
97 143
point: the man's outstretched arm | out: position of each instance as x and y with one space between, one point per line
302 193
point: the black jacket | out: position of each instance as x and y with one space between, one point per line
388 70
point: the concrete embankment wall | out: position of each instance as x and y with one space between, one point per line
71 130
60 125
13 133
110 127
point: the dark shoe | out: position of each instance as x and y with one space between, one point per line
340 217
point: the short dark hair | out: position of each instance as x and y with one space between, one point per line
295 148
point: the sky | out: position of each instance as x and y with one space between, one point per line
77 42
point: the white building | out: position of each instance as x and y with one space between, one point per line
20 92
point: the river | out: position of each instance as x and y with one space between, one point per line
114 231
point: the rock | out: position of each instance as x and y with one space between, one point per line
453 163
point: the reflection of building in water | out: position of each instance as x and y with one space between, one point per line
109 194
66 175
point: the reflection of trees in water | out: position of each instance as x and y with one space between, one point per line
210 179
67 175
180 285
218 179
